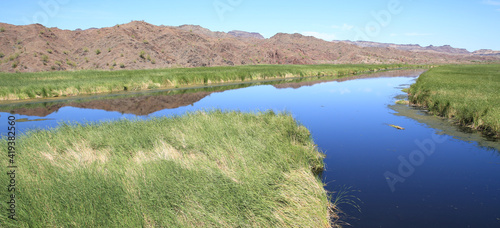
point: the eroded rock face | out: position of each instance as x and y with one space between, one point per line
34 48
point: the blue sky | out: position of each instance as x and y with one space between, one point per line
471 24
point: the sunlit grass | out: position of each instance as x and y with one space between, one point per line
203 169
468 93
70 83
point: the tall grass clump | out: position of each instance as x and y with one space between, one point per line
204 169
90 80
467 93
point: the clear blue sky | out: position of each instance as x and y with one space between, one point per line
471 24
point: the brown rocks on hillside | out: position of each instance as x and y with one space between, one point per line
139 45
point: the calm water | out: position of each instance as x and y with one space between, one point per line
417 177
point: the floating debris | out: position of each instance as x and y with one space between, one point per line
397 127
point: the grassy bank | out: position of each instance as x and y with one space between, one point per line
17 86
204 169
468 93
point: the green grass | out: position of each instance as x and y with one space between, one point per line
17 86
204 169
468 93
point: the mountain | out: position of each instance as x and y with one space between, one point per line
447 49
139 45
243 34
486 52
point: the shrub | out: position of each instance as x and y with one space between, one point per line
14 56
85 49
141 54
98 51
1 55
58 63
71 63
49 51
45 58
2 29
145 42
14 64
109 49
122 65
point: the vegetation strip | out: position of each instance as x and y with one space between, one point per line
20 86
467 93
203 169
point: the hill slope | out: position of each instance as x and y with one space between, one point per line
139 45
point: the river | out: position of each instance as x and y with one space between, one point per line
431 174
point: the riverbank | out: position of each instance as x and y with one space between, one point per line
22 86
467 93
203 169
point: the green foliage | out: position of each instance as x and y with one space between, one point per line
98 51
2 55
71 63
122 65
2 29
65 52
109 49
15 64
94 81
467 93
145 42
45 58
142 54
14 56
49 51
58 63
215 169
85 49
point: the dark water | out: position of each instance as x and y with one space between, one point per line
418 177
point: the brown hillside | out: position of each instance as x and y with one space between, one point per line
139 45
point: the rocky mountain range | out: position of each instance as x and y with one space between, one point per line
139 45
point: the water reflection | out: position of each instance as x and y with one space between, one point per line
145 103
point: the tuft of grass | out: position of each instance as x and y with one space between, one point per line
204 169
122 65
142 55
405 102
98 51
2 55
467 93
49 51
2 29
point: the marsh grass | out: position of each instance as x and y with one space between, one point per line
203 169
468 93
70 83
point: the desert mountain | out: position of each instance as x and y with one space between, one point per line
139 45
447 49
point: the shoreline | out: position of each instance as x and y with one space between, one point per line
93 173
466 94
62 85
